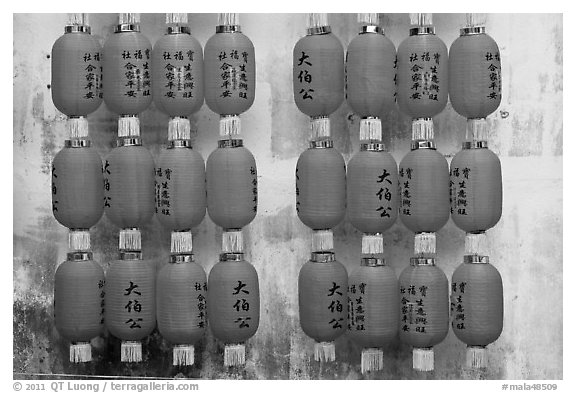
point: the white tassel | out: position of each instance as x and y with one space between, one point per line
232 241
425 243
324 352
368 19
80 352
372 360
181 242
130 239
476 357
422 129
477 130
372 243
228 19
129 18
230 125
234 355
77 127
128 126
131 351
475 244
78 19
419 19
317 20
178 128
176 19
322 240
423 359
320 127
183 355
371 129
79 240
475 20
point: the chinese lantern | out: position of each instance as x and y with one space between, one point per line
322 302
233 305
130 302
423 309
373 310
476 306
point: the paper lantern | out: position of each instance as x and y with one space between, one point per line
231 185
77 192
476 306
321 186
422 90
76 70
475 74
178 72
79 303
475 188
423 310
233 305
424 189
127 68
322 302
373 314
181 290
130 302
318 70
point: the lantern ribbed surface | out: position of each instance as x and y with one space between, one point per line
422 89
321 188
476 303
129 188
475 189
233 301
180 188
475 75
232 187
424 190
230 73
423 306
372 188
370 74
181 290
79 300
77 192
127 69
177 74
318 74
76 74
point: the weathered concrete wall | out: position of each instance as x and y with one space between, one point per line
526 245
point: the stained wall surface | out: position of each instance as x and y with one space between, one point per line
525 246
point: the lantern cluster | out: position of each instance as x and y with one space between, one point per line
318 81
77 192
476 190
232 188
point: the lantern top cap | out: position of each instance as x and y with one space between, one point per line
182 258
130 255
79 256
476 30
373 262
232 257
322 257
421 261
479 259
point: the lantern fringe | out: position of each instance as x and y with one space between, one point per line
80 352
130 239
177 19
129 18
477 130
372 360
79 240
475 244
183 355
232 241
78 19
371 129
325 352
128 126
421 19
372 243
320 127
178 128
131 351
228 19
425 243
181 242
368 19
476 357
77 127
475 20
234 355
230 125
317 20
322 240
423 359
422 129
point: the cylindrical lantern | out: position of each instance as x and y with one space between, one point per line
79 303
423 310
127 68
76 69
233 305
476 306
181 290
130 302
373 313
322 302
